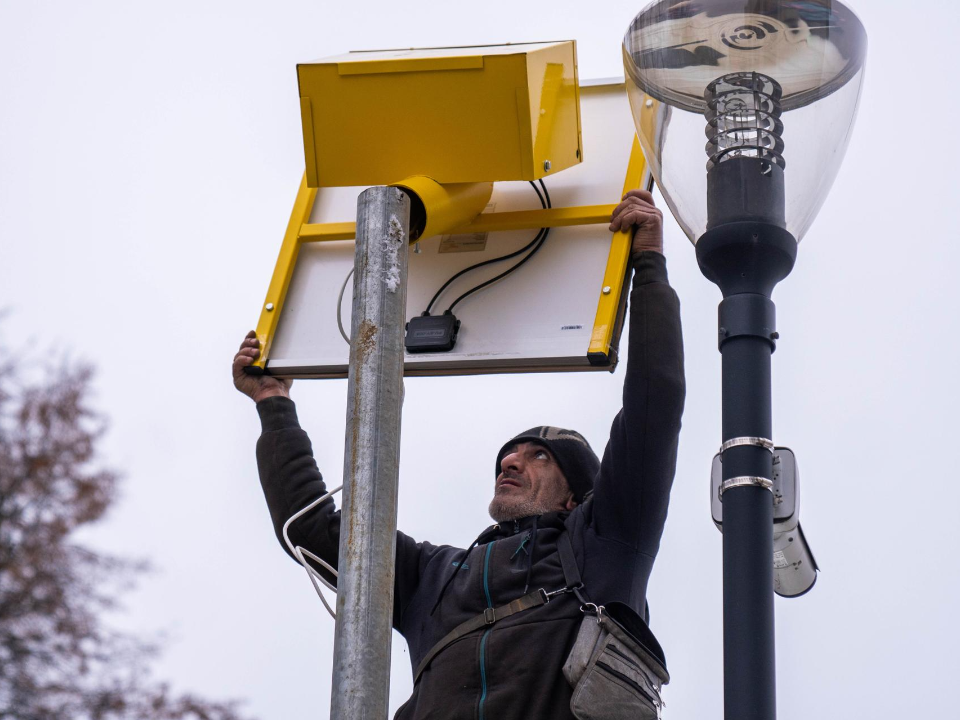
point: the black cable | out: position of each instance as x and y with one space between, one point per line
537 191
542 235
549 204
479 265
544 203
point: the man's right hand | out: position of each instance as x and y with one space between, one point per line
257 387
637 209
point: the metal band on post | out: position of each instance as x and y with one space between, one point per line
738 441
746 481
748 315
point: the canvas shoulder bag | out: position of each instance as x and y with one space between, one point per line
616 667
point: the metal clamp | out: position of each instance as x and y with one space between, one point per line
745 481
738 441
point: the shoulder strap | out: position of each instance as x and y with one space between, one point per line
568 561
487 617
571 571
571 576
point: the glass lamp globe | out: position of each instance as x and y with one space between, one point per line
773 84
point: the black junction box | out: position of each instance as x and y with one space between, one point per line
432 333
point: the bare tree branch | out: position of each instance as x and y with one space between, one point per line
58 661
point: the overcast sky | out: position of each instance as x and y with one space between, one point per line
149 156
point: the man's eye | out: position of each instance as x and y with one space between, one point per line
541 455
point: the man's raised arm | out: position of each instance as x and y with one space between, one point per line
291 479
633 488
288 472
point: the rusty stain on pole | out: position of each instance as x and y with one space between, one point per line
361 663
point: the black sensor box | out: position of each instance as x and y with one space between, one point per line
432 333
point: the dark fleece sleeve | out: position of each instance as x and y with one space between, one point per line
291 481
632 490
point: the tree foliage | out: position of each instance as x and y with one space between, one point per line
58 658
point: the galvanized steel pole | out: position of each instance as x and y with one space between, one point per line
368 524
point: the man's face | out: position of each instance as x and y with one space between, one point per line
529 483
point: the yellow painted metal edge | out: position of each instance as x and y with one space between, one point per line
576 90
421 64
549 100
527 169
616 273
320 232
309 143
531 219
487 222
283 271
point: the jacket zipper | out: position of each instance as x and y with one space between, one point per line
483 640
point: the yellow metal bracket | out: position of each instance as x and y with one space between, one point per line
609 315
300 230
283 272
487 222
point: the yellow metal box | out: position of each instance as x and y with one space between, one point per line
468 114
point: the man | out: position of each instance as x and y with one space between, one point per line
548 482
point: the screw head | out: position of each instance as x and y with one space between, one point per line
269 307
649 103
607 289
546 166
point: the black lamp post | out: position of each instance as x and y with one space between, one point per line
756 71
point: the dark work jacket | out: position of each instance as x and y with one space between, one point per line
512 670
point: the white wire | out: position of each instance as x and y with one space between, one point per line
313 575
299 552
340 304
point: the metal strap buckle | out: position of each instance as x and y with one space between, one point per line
756 441
745 481
590 609
562 591
489 615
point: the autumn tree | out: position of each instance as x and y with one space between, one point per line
58 658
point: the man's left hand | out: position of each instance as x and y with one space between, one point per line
637 208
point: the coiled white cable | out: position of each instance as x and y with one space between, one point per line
343 287
300 552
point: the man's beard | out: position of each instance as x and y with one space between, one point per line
504 508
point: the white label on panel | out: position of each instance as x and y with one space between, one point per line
469 242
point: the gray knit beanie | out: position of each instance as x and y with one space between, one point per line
577 460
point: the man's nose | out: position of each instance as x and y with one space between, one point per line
512 460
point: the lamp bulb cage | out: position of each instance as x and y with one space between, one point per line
775 80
